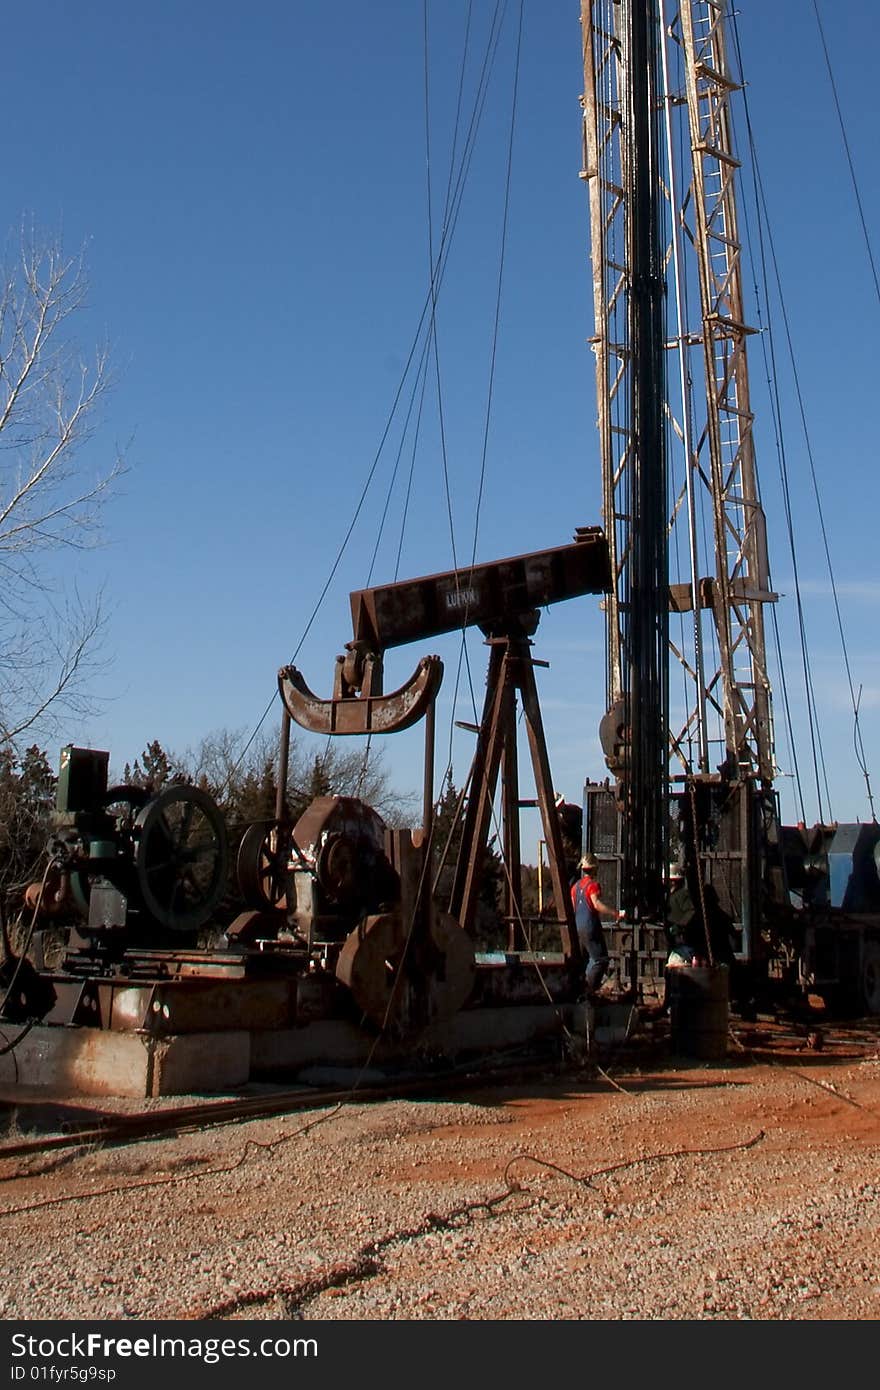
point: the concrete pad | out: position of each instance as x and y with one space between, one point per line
482 1030
80 1061
473 1031
193 1063
95 1062
329 1042
100 1062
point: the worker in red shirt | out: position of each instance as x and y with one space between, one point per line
589 910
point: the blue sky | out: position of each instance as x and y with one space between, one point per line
251 184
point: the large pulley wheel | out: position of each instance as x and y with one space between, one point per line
123 803
262 865
373 965
340 870
181 858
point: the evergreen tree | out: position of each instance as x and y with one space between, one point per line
155 769
27 798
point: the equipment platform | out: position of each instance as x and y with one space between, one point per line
178 1023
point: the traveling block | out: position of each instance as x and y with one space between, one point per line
699 1010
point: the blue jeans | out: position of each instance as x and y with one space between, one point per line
592 940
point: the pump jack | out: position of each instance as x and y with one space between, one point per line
503 599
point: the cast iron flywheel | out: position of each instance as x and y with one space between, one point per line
181 858
262 865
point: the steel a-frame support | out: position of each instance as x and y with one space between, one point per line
511 671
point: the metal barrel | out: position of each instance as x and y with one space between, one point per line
699 1010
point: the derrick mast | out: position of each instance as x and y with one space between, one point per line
718 728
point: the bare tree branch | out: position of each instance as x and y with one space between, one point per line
318 768
62 666
49 405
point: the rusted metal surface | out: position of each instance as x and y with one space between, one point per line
334 895
344 815
484 595
361 714
342 841
343 871
369 962
183 1005
398 994
261 865
510 671
504 598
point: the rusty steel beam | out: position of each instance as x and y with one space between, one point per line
489 596
118 1129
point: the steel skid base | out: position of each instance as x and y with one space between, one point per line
165 1024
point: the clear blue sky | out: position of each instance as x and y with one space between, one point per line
251 182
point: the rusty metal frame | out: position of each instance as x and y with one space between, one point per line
511 669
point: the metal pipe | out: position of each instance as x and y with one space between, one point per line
283 767
684 382
428 812
128 1129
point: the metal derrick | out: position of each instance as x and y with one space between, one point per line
715 525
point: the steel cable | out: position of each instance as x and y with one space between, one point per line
857 738
442 257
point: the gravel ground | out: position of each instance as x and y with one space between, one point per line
645 1190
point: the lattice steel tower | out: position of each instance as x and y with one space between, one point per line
658 124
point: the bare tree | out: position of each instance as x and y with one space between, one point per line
230 766
341 770
49 500
239 772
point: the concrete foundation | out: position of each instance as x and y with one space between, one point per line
471 1032
86 1061
101 1062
